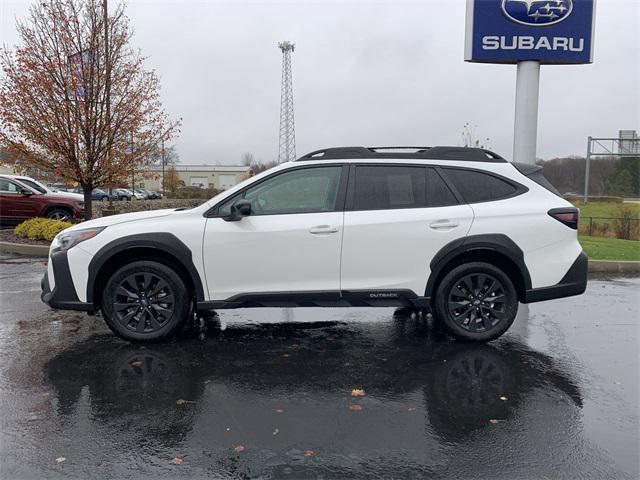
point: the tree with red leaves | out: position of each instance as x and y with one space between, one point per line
76 99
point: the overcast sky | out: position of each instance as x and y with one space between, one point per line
365 73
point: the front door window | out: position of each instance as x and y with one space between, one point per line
309 190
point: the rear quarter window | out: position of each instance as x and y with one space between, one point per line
438 193
476 186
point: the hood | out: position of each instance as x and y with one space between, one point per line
122 218
68 195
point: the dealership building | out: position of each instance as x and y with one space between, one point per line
220 177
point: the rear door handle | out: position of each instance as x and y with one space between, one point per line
323 229
443 225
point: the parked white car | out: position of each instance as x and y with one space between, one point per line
137 194
42 188
458 231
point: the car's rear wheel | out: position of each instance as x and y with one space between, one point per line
59 214
145 301
476 302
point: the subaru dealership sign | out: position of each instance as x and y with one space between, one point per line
547 31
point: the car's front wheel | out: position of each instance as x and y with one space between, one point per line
476 302
59 214
145 301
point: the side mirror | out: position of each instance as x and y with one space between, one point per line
240 208
24 191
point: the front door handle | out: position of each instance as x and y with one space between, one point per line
443 225
323 229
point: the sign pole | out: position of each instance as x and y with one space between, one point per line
586 171
525 130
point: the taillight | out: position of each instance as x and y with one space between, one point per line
568 216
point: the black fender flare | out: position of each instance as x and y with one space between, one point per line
495 242
163 241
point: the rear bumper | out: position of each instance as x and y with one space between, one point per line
63 296
573 283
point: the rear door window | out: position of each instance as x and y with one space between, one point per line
382 187
476 186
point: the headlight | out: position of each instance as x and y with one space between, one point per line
65 240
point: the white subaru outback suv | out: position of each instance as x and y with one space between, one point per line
459 231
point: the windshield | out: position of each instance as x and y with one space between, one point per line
35 185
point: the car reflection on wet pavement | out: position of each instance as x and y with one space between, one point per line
269 394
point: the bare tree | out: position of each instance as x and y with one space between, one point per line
75 98
470 138
248 159
171 155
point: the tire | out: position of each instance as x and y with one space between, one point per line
466 292
59 214
145 301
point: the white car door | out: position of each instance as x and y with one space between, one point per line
397 218
289 243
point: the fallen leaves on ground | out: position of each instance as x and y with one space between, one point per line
276 431
493 420
308 453
411 409
355 407
503 398
176 461
60 460
136 363
358 392
182 401
239 448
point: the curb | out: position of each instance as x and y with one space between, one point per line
25 249
595 266
613 266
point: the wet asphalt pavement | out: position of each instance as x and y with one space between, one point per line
268 393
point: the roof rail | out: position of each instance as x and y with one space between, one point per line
432 153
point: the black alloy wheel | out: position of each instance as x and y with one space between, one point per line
145 301
475 301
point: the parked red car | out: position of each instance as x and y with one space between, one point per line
19 202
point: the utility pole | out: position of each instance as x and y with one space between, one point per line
162 185
107 64
287 143
133 169
585 199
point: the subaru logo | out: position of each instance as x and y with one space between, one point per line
537 12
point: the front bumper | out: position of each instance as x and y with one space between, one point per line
64 295
573 283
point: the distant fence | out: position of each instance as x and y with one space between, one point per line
626 228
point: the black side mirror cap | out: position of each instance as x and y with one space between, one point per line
240 208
